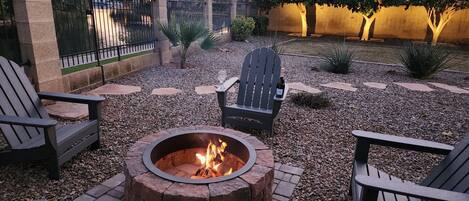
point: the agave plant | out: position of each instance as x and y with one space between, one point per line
338 60
423 61
183 32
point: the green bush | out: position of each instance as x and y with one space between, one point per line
241 28
262 22
315 101
338 60
423 61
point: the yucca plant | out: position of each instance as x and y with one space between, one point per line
338 60
184 32
315 101
423 61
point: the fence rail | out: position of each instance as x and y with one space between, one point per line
186 9
9 43
90 31
221 14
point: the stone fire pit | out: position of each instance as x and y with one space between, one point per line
147 182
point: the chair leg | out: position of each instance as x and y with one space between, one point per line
54 169
96 145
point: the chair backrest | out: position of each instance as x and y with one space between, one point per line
453 171
18 98
259 77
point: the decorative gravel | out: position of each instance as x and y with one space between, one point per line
320 141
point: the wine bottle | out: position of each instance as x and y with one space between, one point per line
280 88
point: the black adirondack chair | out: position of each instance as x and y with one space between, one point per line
447 181
26 126
256 97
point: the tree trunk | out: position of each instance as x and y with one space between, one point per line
304 24
366 29
183 57
436 35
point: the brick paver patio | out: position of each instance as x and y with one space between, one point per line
286 178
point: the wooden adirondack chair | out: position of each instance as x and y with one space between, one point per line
256 97
26 126
447 181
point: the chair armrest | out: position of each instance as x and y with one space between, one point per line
285 92
73 98
26 121
227 85
372 185
403 142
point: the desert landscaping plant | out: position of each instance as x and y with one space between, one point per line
315 101
338 60
423 61
242 27
262 22
184 32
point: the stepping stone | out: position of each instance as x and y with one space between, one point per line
414 86
451 88
298 86
376 85
165 91
69 111
115 89
201 90
340 85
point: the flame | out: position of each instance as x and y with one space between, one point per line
212 161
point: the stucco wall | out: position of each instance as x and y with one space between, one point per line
393 22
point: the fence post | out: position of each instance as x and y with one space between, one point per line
38 43
208 14
162 44
234 6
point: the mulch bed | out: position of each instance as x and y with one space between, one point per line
319 141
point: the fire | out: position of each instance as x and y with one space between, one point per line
212 161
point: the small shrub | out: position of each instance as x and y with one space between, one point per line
262 22
423 61
275 45
315 101
338 60
241 28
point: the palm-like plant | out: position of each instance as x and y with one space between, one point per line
184 32
423 61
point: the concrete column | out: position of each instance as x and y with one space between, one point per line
234 6
160 15
208 14
38 42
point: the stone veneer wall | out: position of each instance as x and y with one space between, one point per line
92 76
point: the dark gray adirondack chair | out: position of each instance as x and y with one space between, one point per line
447 181
26 126
256 97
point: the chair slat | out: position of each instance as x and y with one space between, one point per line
274 81
267 83
398 197
13 101
9 131
244 79
373 172
252 76
36 103
386 195
260 75
449 172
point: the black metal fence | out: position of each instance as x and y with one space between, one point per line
186 9
221 14
90 31
9 43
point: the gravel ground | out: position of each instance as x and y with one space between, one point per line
318 140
